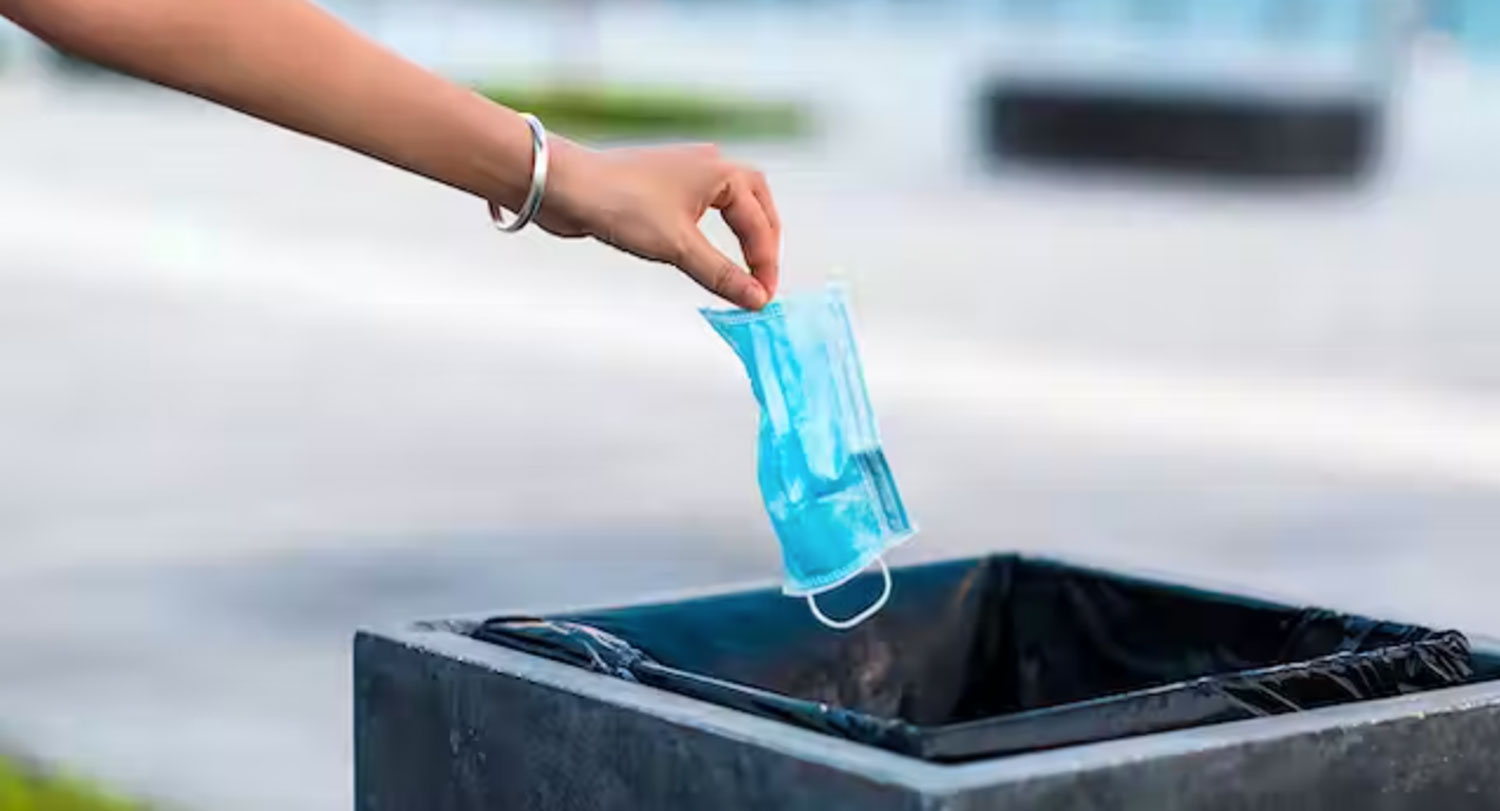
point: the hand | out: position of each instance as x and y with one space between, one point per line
648 202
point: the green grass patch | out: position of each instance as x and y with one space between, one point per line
621 112
26 789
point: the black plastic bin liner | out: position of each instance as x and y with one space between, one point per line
1002 655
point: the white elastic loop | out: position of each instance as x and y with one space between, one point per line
844 625
540 160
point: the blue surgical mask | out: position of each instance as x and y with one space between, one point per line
823 474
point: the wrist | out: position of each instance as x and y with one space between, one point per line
571 182
504 157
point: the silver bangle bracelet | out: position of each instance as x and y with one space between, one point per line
540 158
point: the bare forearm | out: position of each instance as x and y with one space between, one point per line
290 63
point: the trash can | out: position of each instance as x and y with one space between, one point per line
998 682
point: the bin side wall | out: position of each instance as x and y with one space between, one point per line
1442 760
437 734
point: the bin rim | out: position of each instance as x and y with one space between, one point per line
446 638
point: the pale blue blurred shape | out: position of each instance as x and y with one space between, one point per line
1475 23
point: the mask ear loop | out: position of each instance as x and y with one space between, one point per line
844 625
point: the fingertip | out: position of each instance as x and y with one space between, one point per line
754 297
768 276
720 276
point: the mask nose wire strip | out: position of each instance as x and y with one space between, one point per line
846 624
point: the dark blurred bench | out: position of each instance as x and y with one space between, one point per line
1249 136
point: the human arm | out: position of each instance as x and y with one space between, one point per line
292 64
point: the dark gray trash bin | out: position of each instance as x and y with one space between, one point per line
994 683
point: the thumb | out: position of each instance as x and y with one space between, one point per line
719 275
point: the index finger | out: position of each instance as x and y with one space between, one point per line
762 191
756 227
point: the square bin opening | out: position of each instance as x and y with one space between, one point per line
1002 654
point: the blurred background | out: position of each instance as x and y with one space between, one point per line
1197 287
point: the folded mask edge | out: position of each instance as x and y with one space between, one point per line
733 316
822 584
835 292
